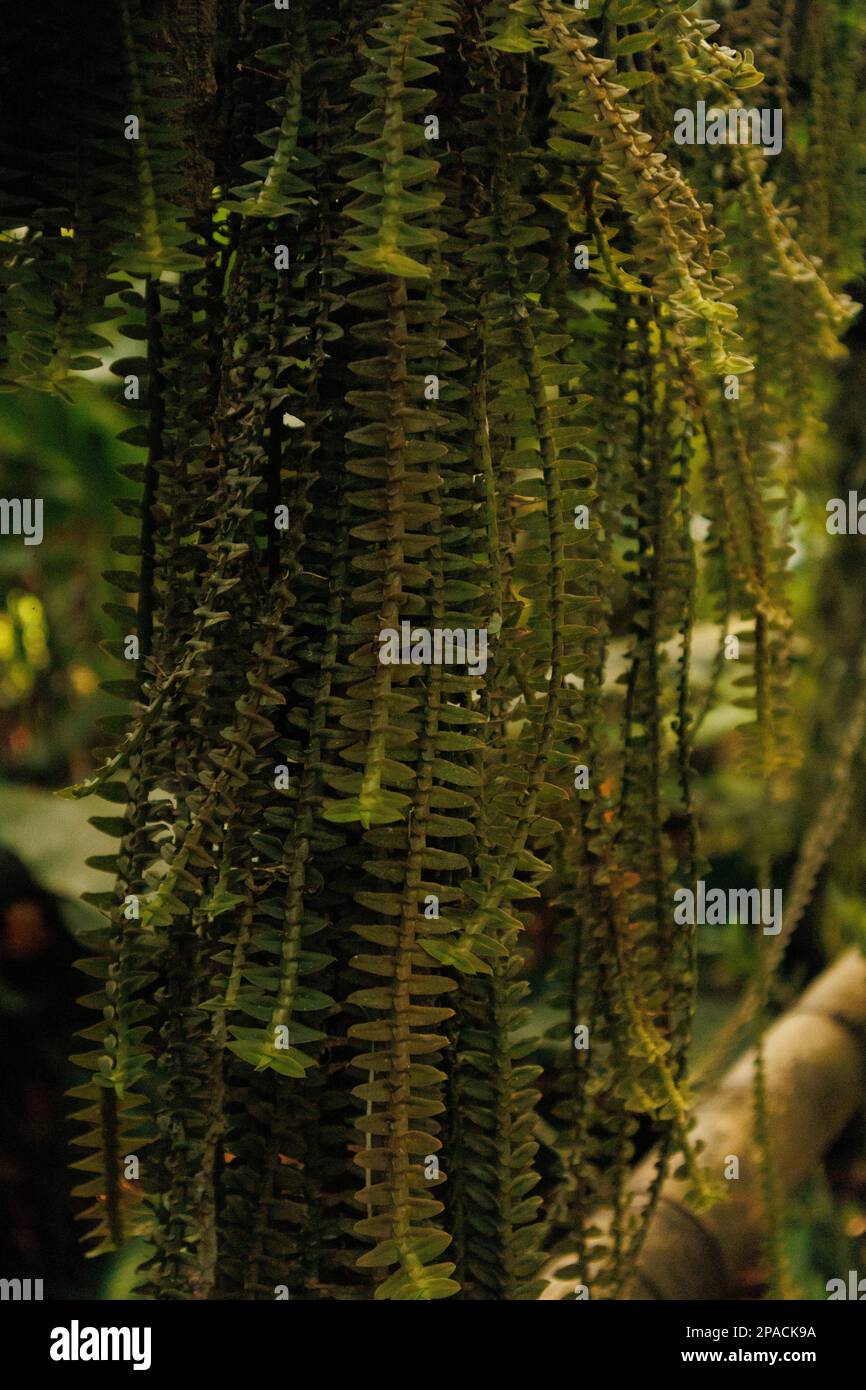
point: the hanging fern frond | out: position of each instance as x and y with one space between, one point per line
428 331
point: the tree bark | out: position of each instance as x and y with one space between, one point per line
816 1079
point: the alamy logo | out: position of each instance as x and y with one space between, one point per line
855 1289
75 1343
20 1290
736 126
439 646
846 518
22 516
750 906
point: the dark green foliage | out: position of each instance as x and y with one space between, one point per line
311 983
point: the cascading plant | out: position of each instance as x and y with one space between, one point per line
422 320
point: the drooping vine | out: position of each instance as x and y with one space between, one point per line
457 388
